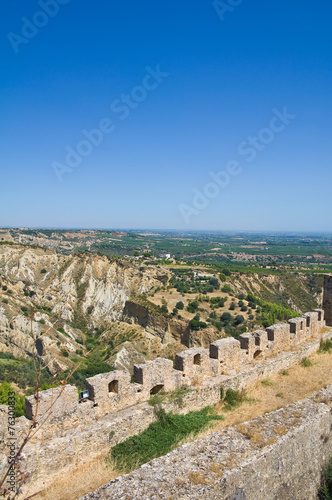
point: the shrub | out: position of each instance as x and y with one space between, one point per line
226 289
6 355
226 317
180 305
233 399
325 491
217 302
239 319
43 271
267 382
5 389
306 362
325 346
192 306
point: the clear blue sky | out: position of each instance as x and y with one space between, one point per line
224 79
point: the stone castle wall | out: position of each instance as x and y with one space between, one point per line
279 456
72 433
114 391
327 299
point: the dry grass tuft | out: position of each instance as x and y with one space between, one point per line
198 478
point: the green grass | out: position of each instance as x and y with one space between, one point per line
306 363
175 397
266 382
325 492
233 399
160 437
5 390
325 346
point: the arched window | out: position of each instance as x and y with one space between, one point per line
113 386
197 359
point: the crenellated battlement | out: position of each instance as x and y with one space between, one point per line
114 391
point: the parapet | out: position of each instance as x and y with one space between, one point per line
312 324
114 391
55 404
298 330
227 352
110 391
155 376
193 363
321 318
279 335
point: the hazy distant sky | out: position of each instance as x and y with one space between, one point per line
218 84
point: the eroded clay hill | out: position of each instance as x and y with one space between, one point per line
66 296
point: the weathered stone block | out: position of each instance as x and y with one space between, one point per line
247 343
312 324
261 340
279 334
111 391
321 318
227 352
298 330
54 404
327 299
194 363
155 375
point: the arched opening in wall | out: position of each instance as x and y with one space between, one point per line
156 389
257 354
113 387
197 359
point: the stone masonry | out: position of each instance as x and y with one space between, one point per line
114 391
278 456
327 299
